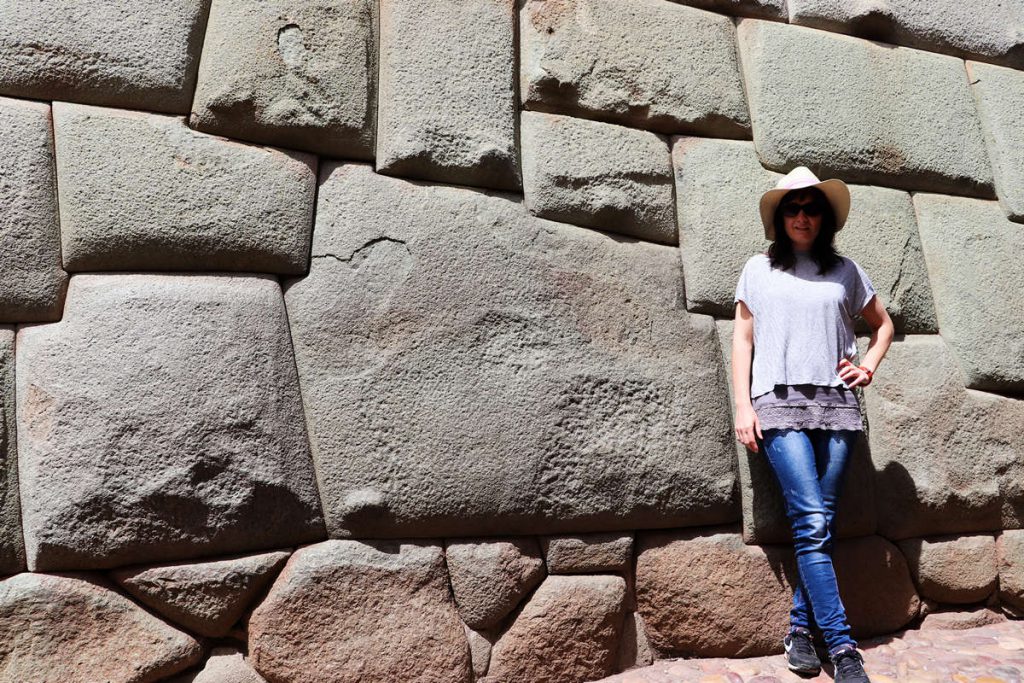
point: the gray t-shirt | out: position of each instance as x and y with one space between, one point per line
803 322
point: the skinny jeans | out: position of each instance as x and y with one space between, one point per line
810 465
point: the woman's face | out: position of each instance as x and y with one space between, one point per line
801 216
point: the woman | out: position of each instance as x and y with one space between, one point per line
795 306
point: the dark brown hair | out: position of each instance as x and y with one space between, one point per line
781 253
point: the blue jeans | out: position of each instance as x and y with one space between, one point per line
810 465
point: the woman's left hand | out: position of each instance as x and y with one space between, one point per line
852 375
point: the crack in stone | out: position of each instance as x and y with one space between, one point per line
359 254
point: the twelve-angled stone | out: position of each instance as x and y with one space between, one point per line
468 369
296 74
1000 95
144 192
161 420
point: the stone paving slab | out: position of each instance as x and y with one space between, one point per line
988 654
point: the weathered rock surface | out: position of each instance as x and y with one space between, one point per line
350 611
718 186
981 317
953 569
588 553
205 597
33 285
468 369
999 93
960 619
225 665
12 548
567 632
142 191
447 108
160 420
875 585
490 576
864 108
986 31
598 175
947 459
634 649
479 651
296 74
582 57
73 630
138 55
1010 556
764 508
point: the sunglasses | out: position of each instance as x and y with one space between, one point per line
811 210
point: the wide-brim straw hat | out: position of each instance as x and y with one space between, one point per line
836 191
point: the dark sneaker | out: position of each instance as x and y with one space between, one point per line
800 654
849 667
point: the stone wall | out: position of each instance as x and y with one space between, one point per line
362 340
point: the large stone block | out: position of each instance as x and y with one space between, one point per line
953 569
73 629
447 106
295 74
947 459
1000 96
595 174
973 256
33 284
138 55
718 186
867 113
346 611
160 420
989 31
143 191
758 9
12 549
583 58
468 369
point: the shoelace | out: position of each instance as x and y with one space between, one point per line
848 663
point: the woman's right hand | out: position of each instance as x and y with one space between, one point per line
748 427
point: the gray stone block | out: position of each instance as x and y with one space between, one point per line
490 576
758 9
33 286
294 74
12 549
999 93
144 192
138 55
989 31
598 175
644 63
947 459
446 105
953 569
868 113
974 260
161 420
588 553
468 369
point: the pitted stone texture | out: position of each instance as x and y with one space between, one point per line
583 58
599 175
987 31
161 420
999 93
953 569
490 576
764 509
468 369
708 594
12 549
225 665
347 611
1010 556
33 283
205 597
982 318
447 107
758 9
947 458
143 191
480 645
72 629
864 109
587 553
138 55
568 631
301 75
960 619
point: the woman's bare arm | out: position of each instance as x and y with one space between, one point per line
748 428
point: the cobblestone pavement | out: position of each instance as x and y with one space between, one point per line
987 654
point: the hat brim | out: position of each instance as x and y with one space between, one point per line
835 190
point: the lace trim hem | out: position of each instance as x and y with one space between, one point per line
810 417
